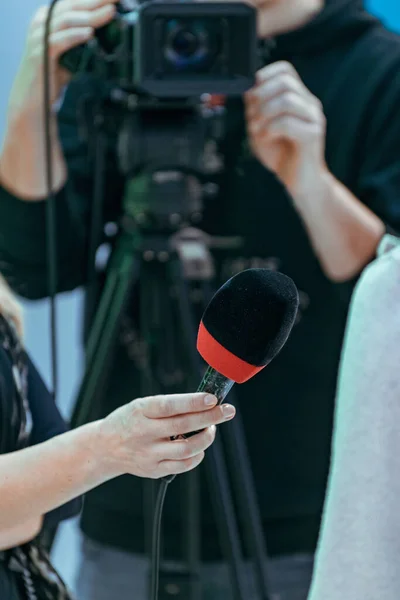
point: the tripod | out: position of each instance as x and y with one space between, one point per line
170 264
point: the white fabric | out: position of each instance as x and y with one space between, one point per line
359 549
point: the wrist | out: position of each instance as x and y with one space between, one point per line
94 454
107 449
23 157
314 190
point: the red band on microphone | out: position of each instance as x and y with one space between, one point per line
223 361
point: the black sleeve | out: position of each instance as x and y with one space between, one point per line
6 391
378 180
23 259
47 423
379 175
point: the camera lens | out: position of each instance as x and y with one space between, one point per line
187 44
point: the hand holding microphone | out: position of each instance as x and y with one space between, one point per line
136 438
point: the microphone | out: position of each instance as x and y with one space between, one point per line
244 327
359 546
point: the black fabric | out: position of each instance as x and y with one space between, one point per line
252 314
28 416
8 584
46 419
349 61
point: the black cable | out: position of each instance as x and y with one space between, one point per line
51 240
51 229
156 539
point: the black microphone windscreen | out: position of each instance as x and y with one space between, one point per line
252 314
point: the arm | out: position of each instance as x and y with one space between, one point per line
24 532
134 439
22 163
344 232
286 128
22 158
49 475
23 258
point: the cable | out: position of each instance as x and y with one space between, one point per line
52 285
51 229
156 539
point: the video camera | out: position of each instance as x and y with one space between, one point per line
174 49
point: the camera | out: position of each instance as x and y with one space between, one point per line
175 49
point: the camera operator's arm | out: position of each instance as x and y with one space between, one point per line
287 131
22 163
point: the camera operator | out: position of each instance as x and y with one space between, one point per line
312 191
44 469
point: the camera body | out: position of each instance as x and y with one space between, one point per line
176 49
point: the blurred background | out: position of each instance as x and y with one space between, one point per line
15 17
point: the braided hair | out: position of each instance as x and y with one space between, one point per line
10 309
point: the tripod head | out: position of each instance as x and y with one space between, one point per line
169 154
168 151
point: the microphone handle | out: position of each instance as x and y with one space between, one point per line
212 383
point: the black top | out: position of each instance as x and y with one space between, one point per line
23 425
349 61
46 419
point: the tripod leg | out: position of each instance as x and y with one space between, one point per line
215 464
247 500
124 270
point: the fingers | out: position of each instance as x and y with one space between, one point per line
287 104
274 81
163 407
194 422
291 128
187 448
275 89
281 106
82 18
86 4
277 69
176 467
62 41
72 23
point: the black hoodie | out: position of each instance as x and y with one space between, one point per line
347 59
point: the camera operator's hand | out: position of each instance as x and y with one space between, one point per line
286 127
73 23
136 438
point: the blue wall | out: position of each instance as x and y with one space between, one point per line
388 10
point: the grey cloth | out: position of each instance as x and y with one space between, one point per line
358 556
109 574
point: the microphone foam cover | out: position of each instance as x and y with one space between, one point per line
247 323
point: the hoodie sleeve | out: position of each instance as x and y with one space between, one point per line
374 156
379 174
23 227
